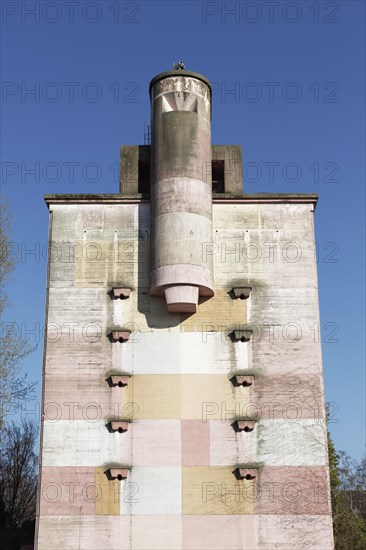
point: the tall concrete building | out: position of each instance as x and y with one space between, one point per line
183 402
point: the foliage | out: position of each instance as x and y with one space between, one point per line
14 386
18 474
346 476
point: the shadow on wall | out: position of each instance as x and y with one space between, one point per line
153 307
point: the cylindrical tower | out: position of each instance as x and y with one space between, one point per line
181 189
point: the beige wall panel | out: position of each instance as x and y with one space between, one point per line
109 491
211 397
221 312
207 491
98 263
182 397
152 397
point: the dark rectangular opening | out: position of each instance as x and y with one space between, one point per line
144 176
218 176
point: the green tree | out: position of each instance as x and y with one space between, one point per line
349 526
14 386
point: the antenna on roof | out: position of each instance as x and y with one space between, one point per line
178 66
147 134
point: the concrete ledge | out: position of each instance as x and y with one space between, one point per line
110 198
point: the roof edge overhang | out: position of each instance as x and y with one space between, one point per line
179 72
217 198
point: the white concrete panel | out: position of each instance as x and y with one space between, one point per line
83 443
290 443
151 353
158 492
272 442
180 353
205 353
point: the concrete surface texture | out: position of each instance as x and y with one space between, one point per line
182 398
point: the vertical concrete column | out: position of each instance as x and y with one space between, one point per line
181 189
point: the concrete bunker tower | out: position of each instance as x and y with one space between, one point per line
181 189
183 398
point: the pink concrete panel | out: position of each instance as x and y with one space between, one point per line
195 443
287 532
77 398
84 532
67 491
287 397
228 446
155 443
218 532
292 490
156 532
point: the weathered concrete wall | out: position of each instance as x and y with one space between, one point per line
133 157
233 166
181 445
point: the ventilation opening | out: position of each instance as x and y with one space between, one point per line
179 101
218 176
144 177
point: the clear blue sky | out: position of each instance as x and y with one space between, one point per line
297 69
